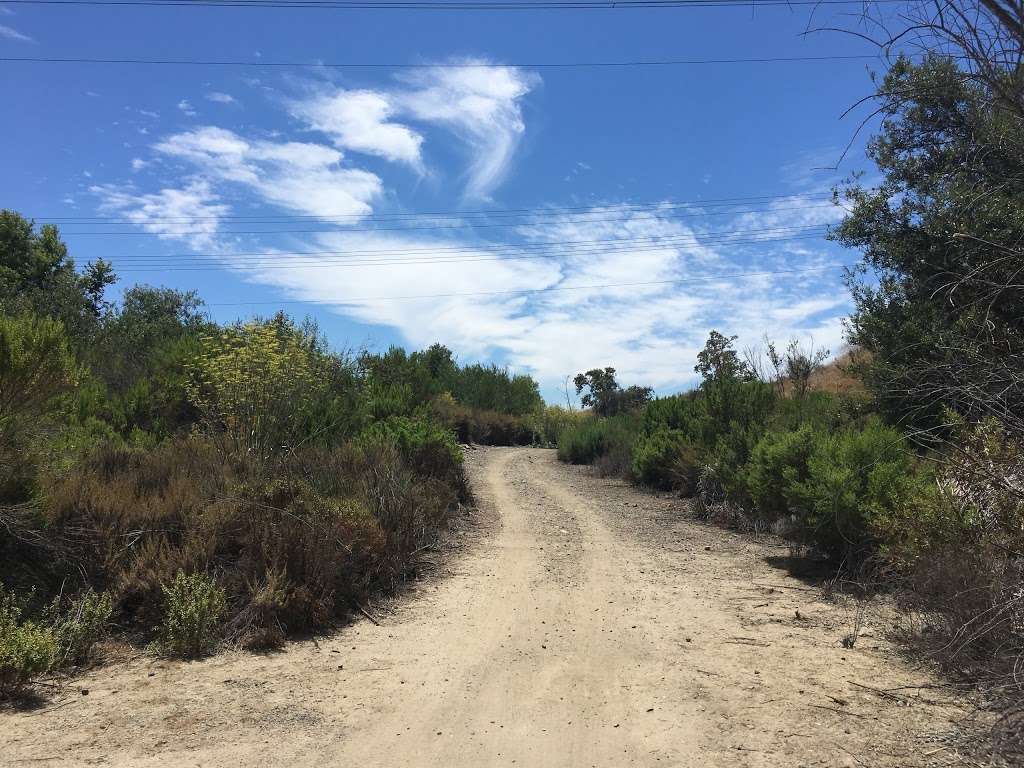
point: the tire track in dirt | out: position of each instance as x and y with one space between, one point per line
586 624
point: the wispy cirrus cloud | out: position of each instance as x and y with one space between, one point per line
10 33
480 105
483 106
608 286
361 121
191 213
300 176
636 287
219 97
799 210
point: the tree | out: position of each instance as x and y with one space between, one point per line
600 385
604 395
138 359
36 368
147 323
440 366
719 361
938 295
794 366
36 365
37 275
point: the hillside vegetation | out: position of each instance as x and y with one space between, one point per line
184 483
902 461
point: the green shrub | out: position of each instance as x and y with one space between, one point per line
549 422
264 388
36 365
416 438
27 650
488 387
595 437
616 460
855 478
79 626
722 422
778 461
822 410
665 460
681 412
472 425
193 607
581 443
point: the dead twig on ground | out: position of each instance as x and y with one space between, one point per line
367 614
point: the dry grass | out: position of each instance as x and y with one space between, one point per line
472 425
294 545
837 376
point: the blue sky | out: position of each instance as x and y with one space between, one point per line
616 174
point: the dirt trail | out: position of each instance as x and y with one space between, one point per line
581 624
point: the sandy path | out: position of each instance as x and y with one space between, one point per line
582 624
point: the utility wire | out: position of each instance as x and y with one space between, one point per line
448 65
499 247
566 246
553 289
290 264
599 220
538 211
459 5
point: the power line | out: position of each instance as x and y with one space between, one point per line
809 196
448 65
459 5
458 259
600 220
565 246
289 264
456 249
553 289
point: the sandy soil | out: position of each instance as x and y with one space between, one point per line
578 623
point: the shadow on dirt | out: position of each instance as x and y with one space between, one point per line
811 570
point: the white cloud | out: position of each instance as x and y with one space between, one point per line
138 164
576 170
610 285
814 168
192 213
473 324
300 176
186 107
220 98
482 105
641 299
12 34
793 211
360 121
